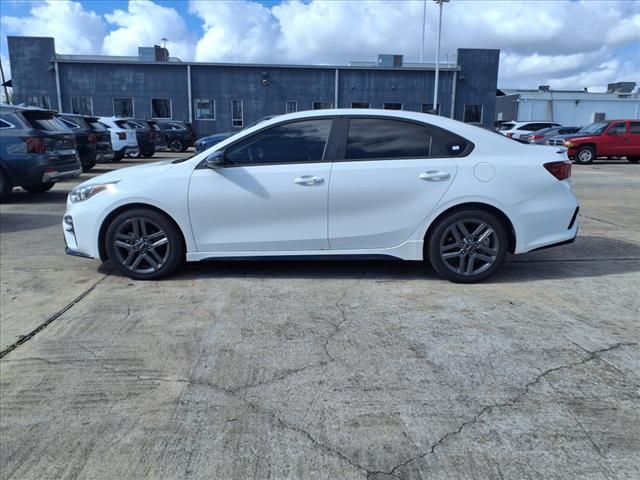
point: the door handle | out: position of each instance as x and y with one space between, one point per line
308 180
434 176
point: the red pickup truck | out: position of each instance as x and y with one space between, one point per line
615 138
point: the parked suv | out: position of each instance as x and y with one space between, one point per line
123 137
521 130
36 150
160 140
615 138
93 139
179 135
145 135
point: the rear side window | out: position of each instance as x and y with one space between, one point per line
634 127
374 138
293 142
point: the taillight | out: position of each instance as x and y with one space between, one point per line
92 138
122 136
509 134
35 145
536 137
560 170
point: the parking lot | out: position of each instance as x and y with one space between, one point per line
324 370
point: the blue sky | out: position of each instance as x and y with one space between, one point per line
567 44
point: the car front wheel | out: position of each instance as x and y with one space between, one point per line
144 244
5 186
176 145
586 155
43 187
468 246
633 159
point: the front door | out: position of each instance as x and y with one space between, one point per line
270 195
391 174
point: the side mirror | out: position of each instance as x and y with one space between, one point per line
215 160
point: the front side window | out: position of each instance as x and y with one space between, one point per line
321 105
360 105
161 107
473 113
291 106
392 106
617 129
237 113
123 107
374 138
81 105
294 142
205 109
41 101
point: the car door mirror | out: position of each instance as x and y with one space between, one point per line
215 160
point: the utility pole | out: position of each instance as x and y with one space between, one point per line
424 22
435 86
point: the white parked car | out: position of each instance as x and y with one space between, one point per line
522 130
332 182
123 137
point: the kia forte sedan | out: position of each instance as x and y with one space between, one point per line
332 183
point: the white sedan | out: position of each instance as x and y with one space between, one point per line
332 183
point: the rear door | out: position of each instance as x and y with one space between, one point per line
389 175
634 138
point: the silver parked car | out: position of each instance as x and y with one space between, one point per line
541 137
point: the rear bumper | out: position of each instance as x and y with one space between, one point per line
57 176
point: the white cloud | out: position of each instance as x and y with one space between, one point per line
542 42
75 29
145 23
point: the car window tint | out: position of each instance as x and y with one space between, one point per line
506 126
69 123
372 138
97 126
617 128
294 142
634 127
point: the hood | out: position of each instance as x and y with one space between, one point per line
139 171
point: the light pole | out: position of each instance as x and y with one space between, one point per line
435 86
424 21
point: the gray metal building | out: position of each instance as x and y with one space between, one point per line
219 97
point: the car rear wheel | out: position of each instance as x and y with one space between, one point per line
176 145
633 159
5 186
43 187
144 244
586 155
88 166
468 246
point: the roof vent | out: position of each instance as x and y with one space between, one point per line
385 60
544 88
621 87
153 54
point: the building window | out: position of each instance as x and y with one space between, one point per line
359 104
161 108
321 105
473 113
392 106
82 105
205 109
428 108
123 107
236 113
291 106
41 101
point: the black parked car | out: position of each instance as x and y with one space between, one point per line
93 139
36 150
146 136
161 141
179 135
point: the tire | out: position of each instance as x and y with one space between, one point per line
457 259
43 187
117 156
135 154
130 250
633 159
176 145
5 186
148 154
88 166
585 155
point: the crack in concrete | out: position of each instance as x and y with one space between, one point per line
593 355
51 319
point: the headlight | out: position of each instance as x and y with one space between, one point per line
568 144
80 194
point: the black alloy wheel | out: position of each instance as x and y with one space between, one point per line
176 145
468 246
144 244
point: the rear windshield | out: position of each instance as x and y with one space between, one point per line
123 124
594 128
96 125
137 125
44 121
74 122
505 126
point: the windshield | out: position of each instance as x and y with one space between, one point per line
594 128
505 126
